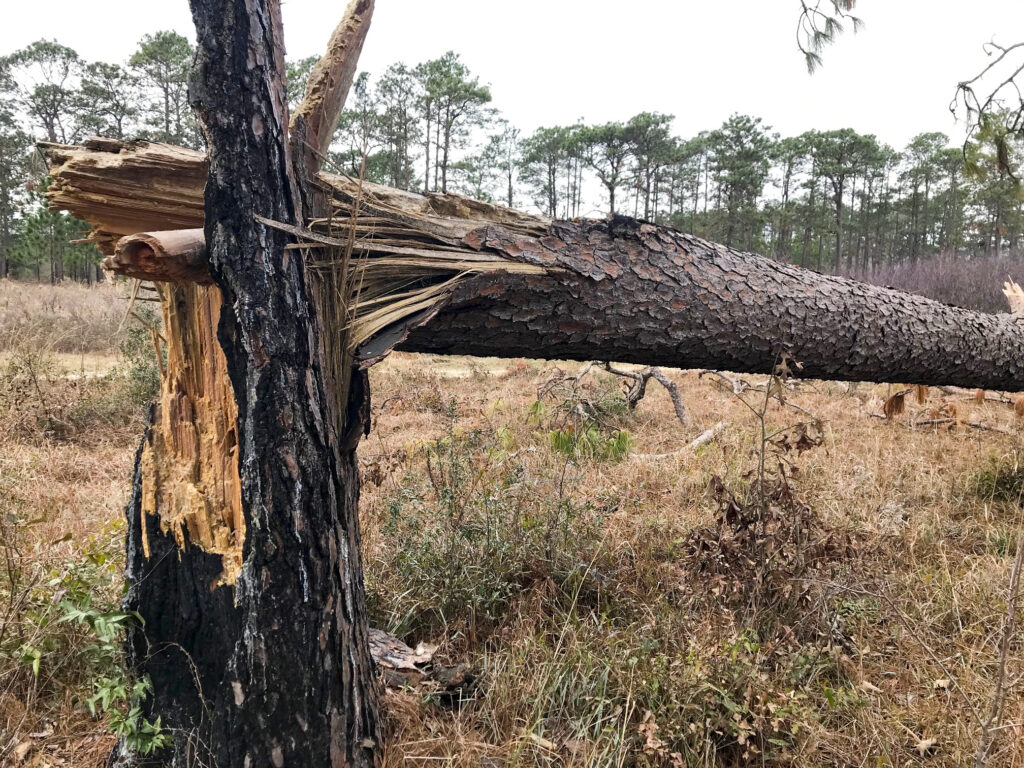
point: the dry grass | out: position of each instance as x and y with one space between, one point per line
71 420
898 636
599 632
66 318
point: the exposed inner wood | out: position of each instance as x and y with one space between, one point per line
190 478
382 255
1014 296
313 123
122 188
121 192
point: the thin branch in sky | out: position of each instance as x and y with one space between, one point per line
820 24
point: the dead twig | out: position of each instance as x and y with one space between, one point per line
701 440
739 386
948 420
639 388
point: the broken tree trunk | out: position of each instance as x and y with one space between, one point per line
503 283
243 551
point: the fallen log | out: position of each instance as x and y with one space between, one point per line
446 274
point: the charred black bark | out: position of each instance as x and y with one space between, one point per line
190 628
628 291
275 670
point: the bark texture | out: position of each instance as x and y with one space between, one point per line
608 290
258 651
634 292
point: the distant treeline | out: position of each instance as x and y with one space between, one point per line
829 200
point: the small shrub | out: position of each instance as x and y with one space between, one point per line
589 441
461 550
61 637
581 419
139 368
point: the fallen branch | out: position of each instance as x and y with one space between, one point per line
939 422
739 386
639 388
399 664
177 256
701 440
971 424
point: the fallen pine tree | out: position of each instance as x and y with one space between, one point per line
280 285
446 274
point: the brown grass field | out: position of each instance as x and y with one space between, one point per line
622 600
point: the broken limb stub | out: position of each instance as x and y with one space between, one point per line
176 256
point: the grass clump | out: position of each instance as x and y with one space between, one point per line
1001 479
589 441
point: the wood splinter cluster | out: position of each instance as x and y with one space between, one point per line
392 256
190 477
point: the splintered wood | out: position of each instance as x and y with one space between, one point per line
121 192
1014 296
380 259
385 258
190 478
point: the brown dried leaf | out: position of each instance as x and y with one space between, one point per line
649 729
954 412
894 405
1018 405
22 750
868 687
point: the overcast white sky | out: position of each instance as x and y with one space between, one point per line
554 61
